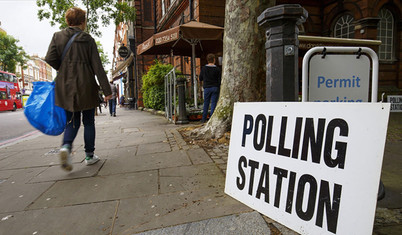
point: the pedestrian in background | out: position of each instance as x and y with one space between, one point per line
76 89
101 101
112 101
210 77
122 101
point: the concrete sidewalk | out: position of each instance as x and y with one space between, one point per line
149 181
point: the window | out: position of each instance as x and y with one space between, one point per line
385 33
344 27
3 95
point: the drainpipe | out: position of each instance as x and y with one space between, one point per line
155 17
191 2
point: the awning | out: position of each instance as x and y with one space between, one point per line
206 37
122 66
145 45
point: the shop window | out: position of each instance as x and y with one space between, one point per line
385 33
344 27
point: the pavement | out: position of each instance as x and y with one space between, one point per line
149 181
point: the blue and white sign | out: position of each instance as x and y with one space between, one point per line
340 74
339 78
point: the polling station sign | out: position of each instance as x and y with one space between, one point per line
314 167
339 78
396 102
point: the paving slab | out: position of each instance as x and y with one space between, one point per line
5 154
186 178
56 173
145 162
41 142
105 139
391 176
130 129
37 158
199 156
98 189
111 144
17 196
146 213
143 140
118 152
94 218
153 148
20 176
246 223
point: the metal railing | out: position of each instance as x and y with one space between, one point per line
170 95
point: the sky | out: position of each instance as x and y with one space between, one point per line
19 19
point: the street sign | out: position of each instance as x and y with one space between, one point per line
396 102
340 74
312 166
123 51
339 78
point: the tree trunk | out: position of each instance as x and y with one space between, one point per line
243 76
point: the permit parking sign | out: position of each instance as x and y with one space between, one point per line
339 78
314 167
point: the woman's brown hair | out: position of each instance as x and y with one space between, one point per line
75 16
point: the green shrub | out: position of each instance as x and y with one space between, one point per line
153 85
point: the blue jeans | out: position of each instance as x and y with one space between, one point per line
73 124
112 106
211 95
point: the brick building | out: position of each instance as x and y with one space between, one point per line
348 19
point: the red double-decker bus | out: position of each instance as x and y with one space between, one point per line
10 95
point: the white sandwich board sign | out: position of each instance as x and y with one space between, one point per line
312 166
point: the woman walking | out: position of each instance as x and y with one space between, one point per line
76 89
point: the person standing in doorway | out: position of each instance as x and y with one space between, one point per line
210 77
112 101
76 89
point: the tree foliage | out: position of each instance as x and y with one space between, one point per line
10 53
102 54
98 11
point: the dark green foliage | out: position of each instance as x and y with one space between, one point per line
153 85
10 53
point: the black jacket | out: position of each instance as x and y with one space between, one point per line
210 76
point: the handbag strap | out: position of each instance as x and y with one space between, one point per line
68 45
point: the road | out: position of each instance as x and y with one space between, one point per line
13 125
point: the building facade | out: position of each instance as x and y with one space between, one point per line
36 69
348 19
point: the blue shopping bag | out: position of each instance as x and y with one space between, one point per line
41 111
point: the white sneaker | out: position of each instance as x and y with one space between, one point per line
65 159
89 161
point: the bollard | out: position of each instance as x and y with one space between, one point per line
282 46
182 119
